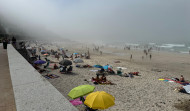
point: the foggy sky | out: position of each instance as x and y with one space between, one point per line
102 20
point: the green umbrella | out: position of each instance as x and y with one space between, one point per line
81 91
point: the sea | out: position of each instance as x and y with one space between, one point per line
177 48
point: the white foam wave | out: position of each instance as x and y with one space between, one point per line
172 45
151 43
184 52
131 44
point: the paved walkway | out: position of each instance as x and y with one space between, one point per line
7 101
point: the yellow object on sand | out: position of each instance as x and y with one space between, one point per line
161 79
99 100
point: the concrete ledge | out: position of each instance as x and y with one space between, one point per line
32 91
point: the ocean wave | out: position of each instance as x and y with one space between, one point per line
172 45
184 52
152 43
131 44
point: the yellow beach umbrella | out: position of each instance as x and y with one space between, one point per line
99 100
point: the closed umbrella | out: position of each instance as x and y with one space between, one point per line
65 62
78 60
39 62
81 91
99 100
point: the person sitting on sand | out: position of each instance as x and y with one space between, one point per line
103 78
136 73
97 79
119 72
55 66
36 66
131 75
126 75
182 79
110 71
63 69
102 70
183 89
70 69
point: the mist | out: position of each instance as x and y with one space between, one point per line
136 21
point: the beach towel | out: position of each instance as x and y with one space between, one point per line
76 102
94 70
49 76
121 68
166 80
182 83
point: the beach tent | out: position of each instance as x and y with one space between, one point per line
107 67
187 88
99 100
78 60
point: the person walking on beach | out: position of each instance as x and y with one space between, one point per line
131 57
100 52
142 57
150 56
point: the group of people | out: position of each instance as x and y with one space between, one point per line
185 88
102 79
64 69
8 41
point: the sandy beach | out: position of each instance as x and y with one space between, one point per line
141 93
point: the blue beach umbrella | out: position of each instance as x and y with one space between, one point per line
39 62
98 66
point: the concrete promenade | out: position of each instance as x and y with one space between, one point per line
7 101
33 92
